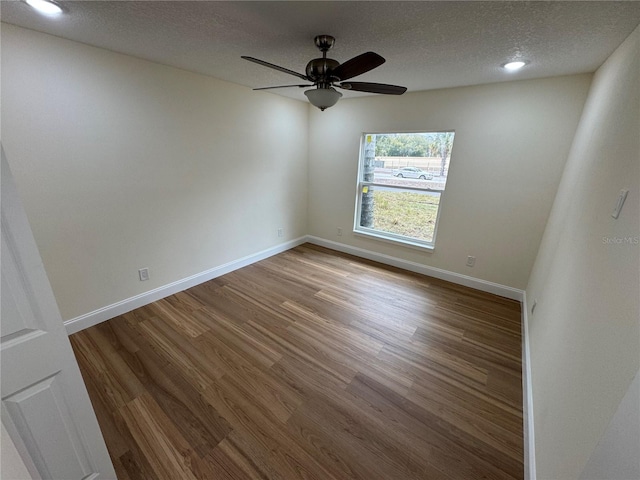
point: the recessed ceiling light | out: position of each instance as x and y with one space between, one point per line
513 66
44 6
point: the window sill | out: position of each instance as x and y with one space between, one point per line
396 241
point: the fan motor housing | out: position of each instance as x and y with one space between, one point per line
319 69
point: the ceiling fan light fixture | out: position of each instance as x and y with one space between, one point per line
323 97
44 6
325 73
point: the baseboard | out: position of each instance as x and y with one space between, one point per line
527 398
478 284
110 311
105 313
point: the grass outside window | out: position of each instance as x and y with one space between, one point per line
407 214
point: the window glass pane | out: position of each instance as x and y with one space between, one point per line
417 160
409 214
423 176
402 176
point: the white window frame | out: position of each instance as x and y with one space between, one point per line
389 236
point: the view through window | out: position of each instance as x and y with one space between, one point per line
400 182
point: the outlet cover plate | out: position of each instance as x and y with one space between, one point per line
143 273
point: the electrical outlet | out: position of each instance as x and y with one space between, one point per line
339 231
471 261
143 273
280 232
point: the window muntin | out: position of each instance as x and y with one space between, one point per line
400 183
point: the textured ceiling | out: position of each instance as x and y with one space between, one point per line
427 44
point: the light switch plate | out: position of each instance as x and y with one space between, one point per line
621 198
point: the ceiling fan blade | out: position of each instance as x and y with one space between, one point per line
357 66
283 86
275 67
374 88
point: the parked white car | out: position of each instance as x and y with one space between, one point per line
412 172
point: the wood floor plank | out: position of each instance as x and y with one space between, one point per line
310 354
448 447
342 454
128 461
474 353
267 389
262 435
166 450
115 384
197 420
490 434
121 471
419 360
118 444
205 292
351 430
177 350
229 461
134 467
348 341
223 327
226 301
311 364
184 302
180 319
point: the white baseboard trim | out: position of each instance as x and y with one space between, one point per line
527 398
110 311
478 284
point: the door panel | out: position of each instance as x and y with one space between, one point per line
50 434
45 405
18 315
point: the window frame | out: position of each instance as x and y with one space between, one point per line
390 237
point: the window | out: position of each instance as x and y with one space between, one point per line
401 179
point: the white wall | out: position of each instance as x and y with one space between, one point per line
124 163
616 456
585 332
511 142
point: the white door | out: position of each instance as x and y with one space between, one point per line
45 405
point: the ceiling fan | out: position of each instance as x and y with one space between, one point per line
326 73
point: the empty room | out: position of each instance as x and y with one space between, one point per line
320 240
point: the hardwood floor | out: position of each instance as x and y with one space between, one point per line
311 365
